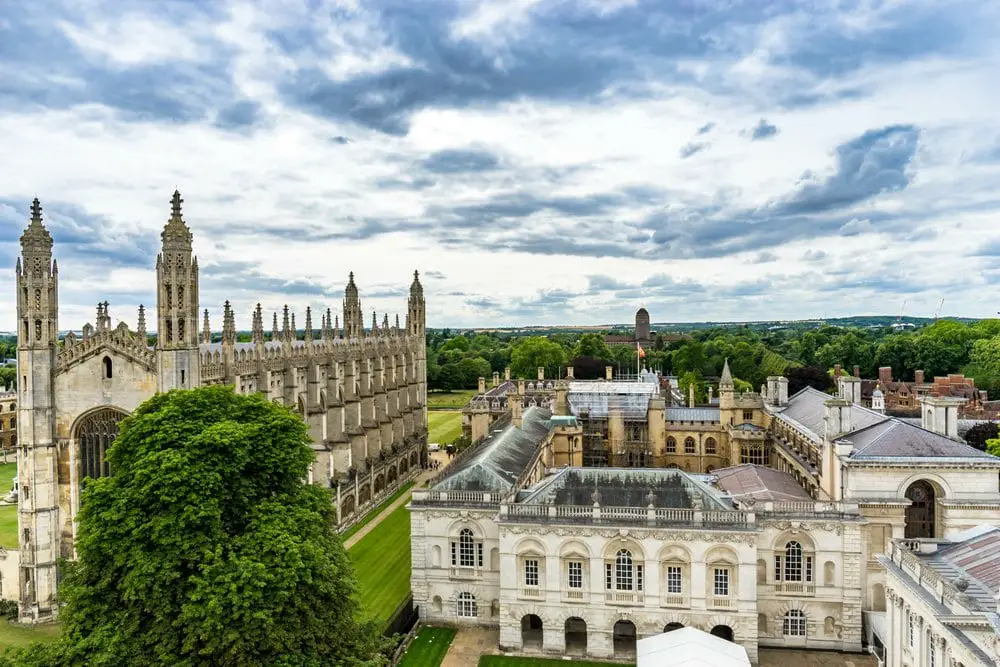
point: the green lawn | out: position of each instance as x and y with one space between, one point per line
503 661
444 426
449 400
428 648
8 513
382 564
8 471
375 512
12 634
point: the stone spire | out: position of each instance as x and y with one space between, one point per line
286 326
727 377
140 329
206 329
257 333
385 324
309 324
228 325
416 314
336 326
103 318
36 240
353 324
274 329
374 323
176 235
397 322
328 325
295 330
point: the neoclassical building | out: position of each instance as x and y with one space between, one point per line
590 514
361 391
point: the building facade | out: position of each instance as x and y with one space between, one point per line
8 422
789 502
362 392
941 601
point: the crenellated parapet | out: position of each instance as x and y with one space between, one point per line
94 341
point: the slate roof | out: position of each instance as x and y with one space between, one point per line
974 555
692 414
806 409
894 438
759 483
498 461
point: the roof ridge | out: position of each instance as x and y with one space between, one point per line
892 425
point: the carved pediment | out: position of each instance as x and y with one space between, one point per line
119 341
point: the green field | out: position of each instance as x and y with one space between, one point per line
382 564
428 648
503 661
8 513
12 634
449 400
444 426
375 512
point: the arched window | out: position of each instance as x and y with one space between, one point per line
108 371
794 623
467 605
671 445
919 516
623 574
95 433
710 446
466 552
689 447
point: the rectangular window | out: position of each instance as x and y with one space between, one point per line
576 574
930 651
607 576
809 569
748 415
531 572
479 554
454 554
638 578
674 580
720 585
777 568
909 629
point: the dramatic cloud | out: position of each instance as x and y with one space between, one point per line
763 130
539 161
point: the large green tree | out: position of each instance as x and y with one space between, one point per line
592 345
206 547
530 353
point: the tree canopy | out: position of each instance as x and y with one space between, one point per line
206 547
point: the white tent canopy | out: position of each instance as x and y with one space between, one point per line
689 647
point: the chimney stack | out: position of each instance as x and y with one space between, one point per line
569 372
496 378
885 375
918 377
940 415
857 371
836 370
541 373
482 385
607 372
506 374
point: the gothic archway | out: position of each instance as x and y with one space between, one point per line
94 433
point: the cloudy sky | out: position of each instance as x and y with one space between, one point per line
540 161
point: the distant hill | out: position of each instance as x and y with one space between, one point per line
862 321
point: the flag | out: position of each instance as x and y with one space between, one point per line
642 352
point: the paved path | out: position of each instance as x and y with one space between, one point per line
469 644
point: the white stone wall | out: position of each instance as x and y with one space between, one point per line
967 482
9 559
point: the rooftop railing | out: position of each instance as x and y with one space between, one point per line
637 516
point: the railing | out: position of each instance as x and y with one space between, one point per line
673 601
910 545
794 588
530 592
624 515
425 496
717 602
624 597
806 507
574 594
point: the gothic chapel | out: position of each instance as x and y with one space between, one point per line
362 392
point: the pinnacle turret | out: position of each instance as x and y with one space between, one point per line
176 235
285 326
295 331
257 333
206 329
727 376
140 329
275 336
228 325
36 240
309 324
336 326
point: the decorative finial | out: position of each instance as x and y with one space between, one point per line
397 321
228 324
309 324
141 327
274 329
175 204
257 333
295 330
650 499
336 326
206 329
36 211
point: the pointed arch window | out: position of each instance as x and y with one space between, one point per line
95 433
